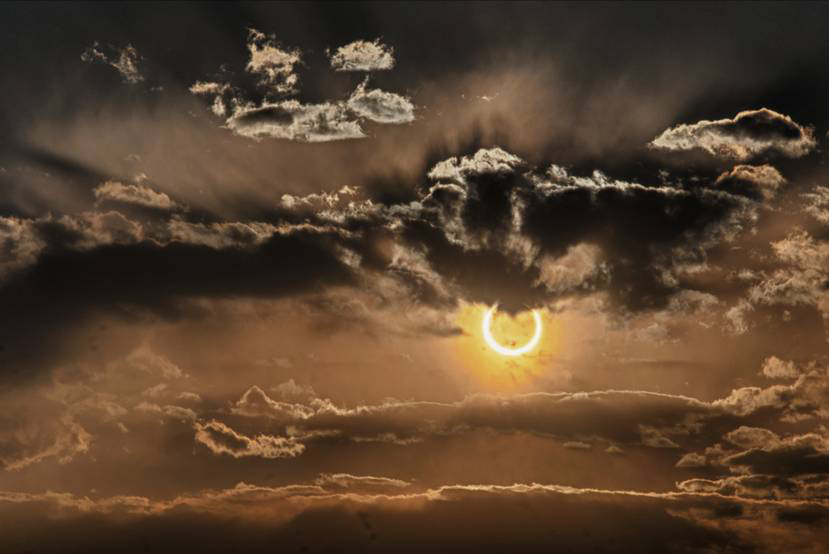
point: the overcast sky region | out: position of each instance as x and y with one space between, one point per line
414 277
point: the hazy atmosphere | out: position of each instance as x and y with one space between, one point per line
414 277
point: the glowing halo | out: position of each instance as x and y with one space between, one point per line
503 350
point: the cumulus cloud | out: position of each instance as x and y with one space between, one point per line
775 368
273 63
485 161
362 55
276 116
803 276
818 204
125 60
763 181
491 201
137 194
380 106
749 134
318 201
291 120
805 398
763 464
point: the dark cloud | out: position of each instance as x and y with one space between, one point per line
102 265
487 230
761 182
491 209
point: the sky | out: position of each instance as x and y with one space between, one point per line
409 277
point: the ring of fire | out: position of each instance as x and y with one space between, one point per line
503 350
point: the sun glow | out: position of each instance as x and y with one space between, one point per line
506 353
503 350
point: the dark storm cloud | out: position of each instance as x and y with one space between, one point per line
492 212
97 262
749 134
486 229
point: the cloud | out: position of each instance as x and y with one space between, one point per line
278 117
640 237
125 60
818 204
477 518
775 368
178 412
146 360
759 181
221 439
803 276
19 245
486 228
736 317
107 265
272 63
764 465
485 161
749 134
291 120
318 201
362 55
380 106
24 442
804 399
616 417
577 445
255 402
345 481
22 241
137 194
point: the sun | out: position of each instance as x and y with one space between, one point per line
503 350
505 353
